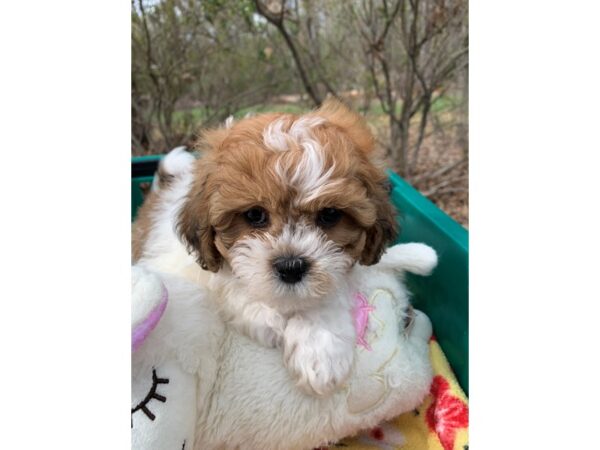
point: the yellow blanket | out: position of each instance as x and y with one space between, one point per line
440 423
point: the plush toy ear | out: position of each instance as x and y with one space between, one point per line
413 257
148 302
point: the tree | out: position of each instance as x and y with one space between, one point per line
412 49
193 64
275 14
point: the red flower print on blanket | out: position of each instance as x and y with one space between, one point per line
447 413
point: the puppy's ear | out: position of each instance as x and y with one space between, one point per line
385 229
193 223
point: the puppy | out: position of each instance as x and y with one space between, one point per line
284 211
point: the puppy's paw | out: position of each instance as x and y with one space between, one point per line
267 336
319 362
262 324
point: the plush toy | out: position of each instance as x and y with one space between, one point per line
198 384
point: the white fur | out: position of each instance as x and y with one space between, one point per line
251 267
177 163
308 176
312 323
413 257
253 408
311 319
318 345
262 409
244 395
301 128
274 137
163 250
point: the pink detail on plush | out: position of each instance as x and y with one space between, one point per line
141 332
361 318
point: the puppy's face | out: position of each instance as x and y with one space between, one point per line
289 204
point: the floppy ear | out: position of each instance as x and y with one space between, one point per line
194 229
385 229
193 222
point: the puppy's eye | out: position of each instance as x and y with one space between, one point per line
328 217
256 217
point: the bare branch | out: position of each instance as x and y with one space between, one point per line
390 20
273 17
278 22
439 172
433 190
450 190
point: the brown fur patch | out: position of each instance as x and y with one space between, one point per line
142 225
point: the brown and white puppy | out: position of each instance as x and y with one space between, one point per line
280 208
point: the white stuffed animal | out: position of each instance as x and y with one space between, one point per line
198 384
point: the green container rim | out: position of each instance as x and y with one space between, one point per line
442 221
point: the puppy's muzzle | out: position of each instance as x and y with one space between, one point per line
290 269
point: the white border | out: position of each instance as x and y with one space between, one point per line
534 225
65 140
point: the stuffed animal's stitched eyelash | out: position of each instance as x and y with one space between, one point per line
152 394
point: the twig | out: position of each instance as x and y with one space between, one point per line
278 21
439 172
441 184
451 190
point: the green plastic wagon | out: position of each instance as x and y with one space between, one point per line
442 296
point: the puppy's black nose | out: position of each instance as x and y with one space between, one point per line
290 269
